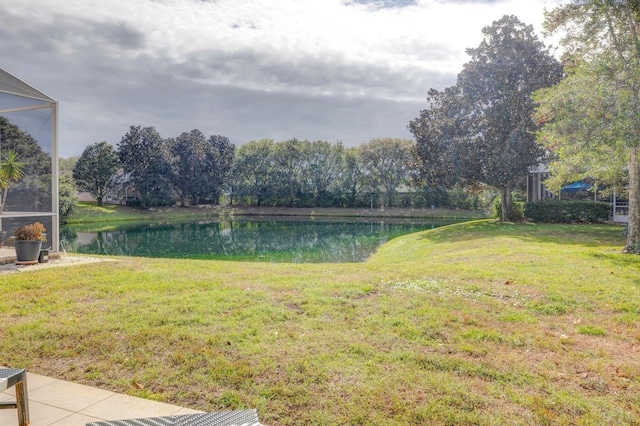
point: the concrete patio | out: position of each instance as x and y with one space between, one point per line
7 255
54 402
8 261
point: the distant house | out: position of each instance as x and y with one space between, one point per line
536 190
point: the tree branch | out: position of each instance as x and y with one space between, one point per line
617 46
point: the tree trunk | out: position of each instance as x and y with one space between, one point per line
4 198
507 202
215 197
390 197
633 229
99 200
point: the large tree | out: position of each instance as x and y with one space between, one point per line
188 162
288 157
385 164
95 168
200 168
143 156
254 171
323 168
220 155
600 97
351 181
480 130
578 117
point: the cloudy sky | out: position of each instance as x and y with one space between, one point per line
348 70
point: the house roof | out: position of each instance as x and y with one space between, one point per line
539 168
14 86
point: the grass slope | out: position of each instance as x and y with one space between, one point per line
474 323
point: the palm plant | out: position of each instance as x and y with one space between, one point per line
11 170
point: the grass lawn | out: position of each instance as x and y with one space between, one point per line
474 323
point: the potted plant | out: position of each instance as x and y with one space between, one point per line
28 242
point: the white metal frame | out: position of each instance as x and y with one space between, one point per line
12 85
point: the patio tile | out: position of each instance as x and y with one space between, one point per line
118 407
66 395
36 381
75 419
54 402
8 417
40 415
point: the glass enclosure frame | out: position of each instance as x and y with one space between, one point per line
31 117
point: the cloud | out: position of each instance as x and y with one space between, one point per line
247 69
385 4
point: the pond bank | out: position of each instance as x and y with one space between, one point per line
348 212
89 212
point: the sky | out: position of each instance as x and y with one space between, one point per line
334 70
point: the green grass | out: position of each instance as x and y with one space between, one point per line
474 323
89 212
591 330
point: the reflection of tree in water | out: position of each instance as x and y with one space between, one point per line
276 241
33 191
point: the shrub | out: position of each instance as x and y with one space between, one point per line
553 211
67 201
517 209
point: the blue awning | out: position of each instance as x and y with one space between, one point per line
576 186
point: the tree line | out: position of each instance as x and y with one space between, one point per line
149 170
192 170
302 173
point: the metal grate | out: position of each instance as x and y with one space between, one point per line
227 418
10 376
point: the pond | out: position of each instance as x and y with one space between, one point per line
266 239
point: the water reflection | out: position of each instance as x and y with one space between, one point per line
269 240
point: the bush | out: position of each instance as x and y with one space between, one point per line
67 200
553 211
517 209
458 198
